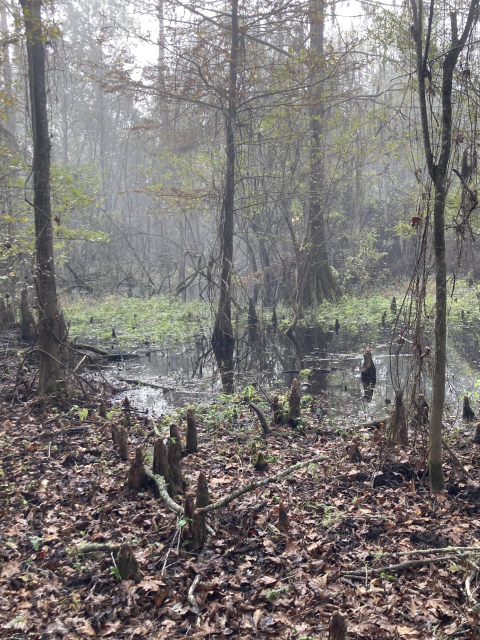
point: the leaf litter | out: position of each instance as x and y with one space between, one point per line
336 535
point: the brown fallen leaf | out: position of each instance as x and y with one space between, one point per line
86 629
407 632
110 627
257 616
10 568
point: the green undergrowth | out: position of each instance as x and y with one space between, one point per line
136 320
161 319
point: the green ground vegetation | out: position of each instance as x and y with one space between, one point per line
157 320
163 318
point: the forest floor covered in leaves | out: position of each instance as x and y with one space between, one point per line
350 526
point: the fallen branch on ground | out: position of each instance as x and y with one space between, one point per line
142 383
254 485
97 547
396 554
407 565
162 489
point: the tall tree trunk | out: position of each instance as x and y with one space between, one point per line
318 281
7 73
223 342
438 175
49 323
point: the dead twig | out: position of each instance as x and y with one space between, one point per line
456 459
408 565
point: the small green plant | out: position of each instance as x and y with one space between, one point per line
16 622
83 413
115 573
36 540
274 594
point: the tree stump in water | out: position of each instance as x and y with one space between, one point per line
161 466
122 442
369 372
174 456
476 438
294 404
192 445
274 315
252 313
137 476
397 430
128 565
28 322
467 413
337 628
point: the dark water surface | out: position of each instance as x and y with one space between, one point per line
189 376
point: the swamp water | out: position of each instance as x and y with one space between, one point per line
186 375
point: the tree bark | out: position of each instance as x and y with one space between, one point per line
49 323
438 175
318 280
223 342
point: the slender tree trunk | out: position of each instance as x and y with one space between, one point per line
7 71
49 327
317 274
223 342
438 174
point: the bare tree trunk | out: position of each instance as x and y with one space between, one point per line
223 342
49 325
438 175
317 274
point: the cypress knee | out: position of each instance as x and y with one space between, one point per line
28 321
128 565
294 404
337 629
397 430
189 530
115 434
467 413
369 371
137 476
174 456
283 521
161 466
476 438
123 443
274 315
202 500
192 445
277 411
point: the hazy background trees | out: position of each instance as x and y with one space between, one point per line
328 169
